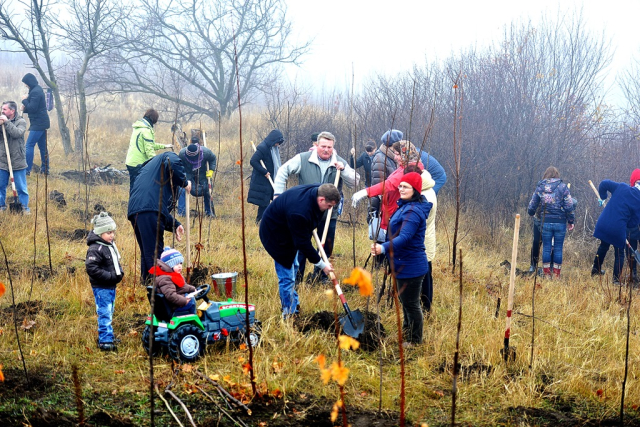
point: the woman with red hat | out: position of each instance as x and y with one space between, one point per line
406 251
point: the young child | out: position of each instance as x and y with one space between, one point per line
104 270
169 281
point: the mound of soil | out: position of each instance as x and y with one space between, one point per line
23 310
76 235
325 321
97 176
58 198
564 417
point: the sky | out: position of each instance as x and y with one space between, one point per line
359 38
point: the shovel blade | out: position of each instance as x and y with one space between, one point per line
15 207
353 326
508 354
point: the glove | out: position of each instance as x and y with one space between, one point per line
357 196
209 173
600 202
168 145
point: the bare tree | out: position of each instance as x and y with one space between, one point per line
193 39
26 24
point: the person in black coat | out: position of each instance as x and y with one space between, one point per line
287 227
35 106
163 173
199 163
260 189
364 161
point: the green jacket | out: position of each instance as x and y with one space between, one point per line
142 145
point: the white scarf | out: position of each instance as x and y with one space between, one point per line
115 255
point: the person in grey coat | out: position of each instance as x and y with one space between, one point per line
15 128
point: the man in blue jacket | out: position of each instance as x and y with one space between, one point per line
286 228
35 106
435 169
163 174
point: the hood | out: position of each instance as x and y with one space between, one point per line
142 123
94 238
30 80
427 181
164 267
274 137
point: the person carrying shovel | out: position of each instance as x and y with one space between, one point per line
286 229
13 165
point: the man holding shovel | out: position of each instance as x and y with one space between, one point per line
320 166
286 229
16 163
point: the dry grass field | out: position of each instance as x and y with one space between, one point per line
575 377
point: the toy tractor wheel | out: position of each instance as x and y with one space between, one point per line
186 343
145 342
254 339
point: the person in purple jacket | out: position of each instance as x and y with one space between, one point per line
622 212
553 199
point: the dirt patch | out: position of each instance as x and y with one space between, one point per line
23 310
466 371
325 321
58 198
101 418
98 176
562 418
75 236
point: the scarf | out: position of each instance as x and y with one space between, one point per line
275 156
115 255
195 158
176 278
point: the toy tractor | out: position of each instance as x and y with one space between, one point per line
185 336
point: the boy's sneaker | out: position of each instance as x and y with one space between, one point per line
107 346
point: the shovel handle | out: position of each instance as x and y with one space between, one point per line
593 187
262 164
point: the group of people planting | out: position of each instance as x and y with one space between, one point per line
16 155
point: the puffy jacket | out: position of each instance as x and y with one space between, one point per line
35 105
406 234
622 212
557 204
172 293
383 164
101 261
430 234
142 145
164 170
435 169
260 189
363 161
15 129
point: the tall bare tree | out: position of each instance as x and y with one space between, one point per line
26 24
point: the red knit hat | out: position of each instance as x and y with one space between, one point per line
635 176
415 180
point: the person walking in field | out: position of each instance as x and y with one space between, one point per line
405 250
621 213
142 145
286 229
199 163
152 199
554 200
15 127
267 153
105 272
319 166
35 106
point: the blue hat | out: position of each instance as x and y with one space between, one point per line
171 257
391 136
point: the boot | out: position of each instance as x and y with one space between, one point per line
532 270
556 272
546 271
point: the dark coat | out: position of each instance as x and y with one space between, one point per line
100 264
620 213
363 161
553 199
35 105
382 164
435 169
260 189
407 228
198 177
288 223
175 295
166 169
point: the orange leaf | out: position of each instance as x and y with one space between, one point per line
321 361
348 343
277 393
325 375
276 366
600 393
2 289
119 371
1 374
243 346
237 162
362 279
339 373
246 368
240 359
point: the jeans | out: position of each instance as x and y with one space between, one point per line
328 247
535 246
38 137
426 295
287 287
20 179
409 291
105 301
553 238
207 201
602 253
188 308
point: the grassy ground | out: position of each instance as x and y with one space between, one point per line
578 354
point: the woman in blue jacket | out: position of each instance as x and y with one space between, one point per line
406 252
556 206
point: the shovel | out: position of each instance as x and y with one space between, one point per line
15 206
355 324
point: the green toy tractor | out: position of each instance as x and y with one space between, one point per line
185 336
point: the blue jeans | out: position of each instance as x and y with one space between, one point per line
553 236
38 137
20 179
287 287
105 301
189 308
207 201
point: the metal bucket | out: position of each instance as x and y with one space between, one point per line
224 284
